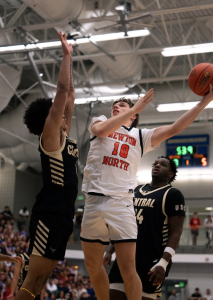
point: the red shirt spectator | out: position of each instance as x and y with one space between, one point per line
195 222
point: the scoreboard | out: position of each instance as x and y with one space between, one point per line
189 151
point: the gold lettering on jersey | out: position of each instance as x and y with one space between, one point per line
144 202
136 201
114 162
148 202
151 205
123 137
72 151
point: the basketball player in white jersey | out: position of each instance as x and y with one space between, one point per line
109 181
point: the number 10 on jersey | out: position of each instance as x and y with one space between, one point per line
123 152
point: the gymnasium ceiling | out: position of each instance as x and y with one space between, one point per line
127 66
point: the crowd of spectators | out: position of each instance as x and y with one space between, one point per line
65 281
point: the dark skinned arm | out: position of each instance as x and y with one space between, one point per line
108 255
175 228
14 281
68 111
50 138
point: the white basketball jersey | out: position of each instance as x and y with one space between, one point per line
113 161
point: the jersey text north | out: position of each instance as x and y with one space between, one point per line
115 162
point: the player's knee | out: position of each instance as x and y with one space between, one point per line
91 265
128 272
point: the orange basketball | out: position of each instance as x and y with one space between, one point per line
200 77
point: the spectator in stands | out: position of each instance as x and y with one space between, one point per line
3 248
90 290
7 288
23 216
196 295
208 224
52 297
2 285
60 285
80 290
46 296
24 213
173 295
208 295
7 213
61 296
194 224
51 286
22 232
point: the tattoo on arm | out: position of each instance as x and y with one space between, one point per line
71 78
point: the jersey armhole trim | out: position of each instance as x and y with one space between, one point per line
141 142
93 138
164 202
53 152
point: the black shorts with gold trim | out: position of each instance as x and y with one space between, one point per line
49 234
146 263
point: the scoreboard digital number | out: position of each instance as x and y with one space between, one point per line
189 151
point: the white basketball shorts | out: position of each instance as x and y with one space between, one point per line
108 219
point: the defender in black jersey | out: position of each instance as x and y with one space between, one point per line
160 212
51 221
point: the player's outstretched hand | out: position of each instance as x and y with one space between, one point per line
67 48
208 97
18 260
107 259
158 274
143 101
10 297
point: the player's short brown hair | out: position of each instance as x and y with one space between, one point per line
131 104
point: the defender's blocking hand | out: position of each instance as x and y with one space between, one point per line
67 48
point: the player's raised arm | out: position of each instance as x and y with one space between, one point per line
165 132
68 111
103 129
54 119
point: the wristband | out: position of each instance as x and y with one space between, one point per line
162 263
170 250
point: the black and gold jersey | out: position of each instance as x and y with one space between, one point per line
60 181
153 208
24 269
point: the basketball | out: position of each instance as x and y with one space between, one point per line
200 77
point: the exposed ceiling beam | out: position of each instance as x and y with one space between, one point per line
116 83
16 15
176 10
175 57
22 62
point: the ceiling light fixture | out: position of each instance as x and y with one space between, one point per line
180 106
209 208
120 7
186 50
93 38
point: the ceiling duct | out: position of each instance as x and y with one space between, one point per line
125 68
18 144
